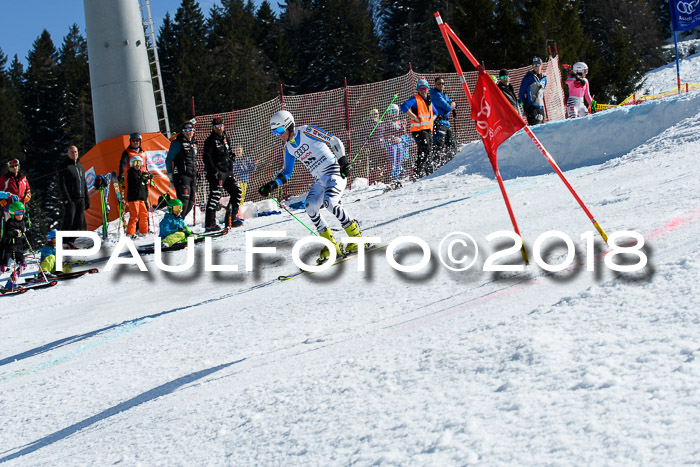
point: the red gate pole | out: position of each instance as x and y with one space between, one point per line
529 132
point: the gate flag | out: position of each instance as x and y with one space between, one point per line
685 14
496 120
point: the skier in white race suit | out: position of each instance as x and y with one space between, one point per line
323 154
578 90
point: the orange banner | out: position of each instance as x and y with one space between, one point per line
104 159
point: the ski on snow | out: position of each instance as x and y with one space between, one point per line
20 289
340 260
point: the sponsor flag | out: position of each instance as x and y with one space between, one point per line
495 118
685 14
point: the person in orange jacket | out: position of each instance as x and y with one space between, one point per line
422 113
137 183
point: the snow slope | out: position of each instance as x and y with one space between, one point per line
428 368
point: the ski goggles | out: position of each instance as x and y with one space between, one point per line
177 209
19 212
219 125
392 112
279 131
188 130
504 77
423 88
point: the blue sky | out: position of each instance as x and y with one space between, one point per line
22 21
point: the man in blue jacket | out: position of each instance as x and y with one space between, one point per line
531 93
444 141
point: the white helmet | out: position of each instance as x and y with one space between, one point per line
579 67
281 119
393 109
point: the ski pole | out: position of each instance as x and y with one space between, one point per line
290 213
32 250
375 127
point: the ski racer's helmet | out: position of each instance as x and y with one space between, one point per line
13 163
174 206
281 121
422 83
579 67
537 61
16 208
373 112
135 136
51 236
393 109
134 160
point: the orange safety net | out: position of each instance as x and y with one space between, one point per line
345 112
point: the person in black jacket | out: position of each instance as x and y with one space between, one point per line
218 161
181 164
137 183
507 89
72 185
14 242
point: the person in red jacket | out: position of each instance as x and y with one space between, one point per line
15 182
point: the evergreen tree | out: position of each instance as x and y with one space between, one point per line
79 128
294 21
45 136
626 43
473 22
236 78
400 23
349 48
274 52
12 124
507 37
182 55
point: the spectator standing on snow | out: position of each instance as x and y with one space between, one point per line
243 166
181 164
507 89
578 91
218 161
422 113
532 93
444 141
73 187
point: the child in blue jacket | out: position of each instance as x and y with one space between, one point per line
173 228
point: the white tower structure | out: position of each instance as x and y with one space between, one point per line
122 89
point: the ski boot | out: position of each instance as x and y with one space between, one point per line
353 230
325 253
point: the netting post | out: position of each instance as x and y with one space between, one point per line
286 185
194 211
347 124
686 88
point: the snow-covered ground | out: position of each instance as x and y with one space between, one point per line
663 79
381 367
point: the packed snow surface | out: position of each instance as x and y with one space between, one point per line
433 367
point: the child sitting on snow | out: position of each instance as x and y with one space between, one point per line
173 228
48 257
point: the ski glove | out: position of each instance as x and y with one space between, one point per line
345 167
268 188
170 177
